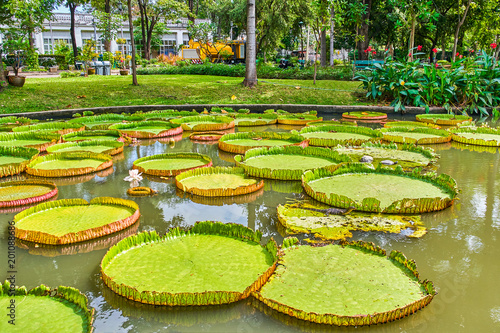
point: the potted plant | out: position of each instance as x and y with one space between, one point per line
120 63
87 55
16 46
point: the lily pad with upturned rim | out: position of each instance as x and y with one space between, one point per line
13 160
184 268
333 135
92 135
443 119
364 115
54 127
419 136
406 155
255 119
25 192
410 124
91 146
289 162
103 121
381 190
39 141
168 165
330 123
148 129
75 220
298 119
350 285
481 136
68 164
42 309
239 143
206 136
204 123
217 181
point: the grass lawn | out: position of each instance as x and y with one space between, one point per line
40 94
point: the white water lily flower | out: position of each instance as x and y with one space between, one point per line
133 175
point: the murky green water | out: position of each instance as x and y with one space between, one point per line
460 253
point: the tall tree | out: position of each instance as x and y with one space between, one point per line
152 11
5 15
72 4
461 20
131 30
251 48
363 32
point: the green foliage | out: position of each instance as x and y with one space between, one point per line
65 75
473 84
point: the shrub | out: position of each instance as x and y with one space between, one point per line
69 74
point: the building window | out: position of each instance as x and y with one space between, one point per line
125 48
168 46
48 48
99 49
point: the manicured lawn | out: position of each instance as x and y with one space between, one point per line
40 94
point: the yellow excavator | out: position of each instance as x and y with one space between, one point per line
232 51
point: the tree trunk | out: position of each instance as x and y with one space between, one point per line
364 30
459 25
251 54
191 8
443 51
72 8
307 45
3 79
107 10
143 28
131 31
323 47
411 44
149 32
332 30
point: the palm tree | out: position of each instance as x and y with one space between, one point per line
251 56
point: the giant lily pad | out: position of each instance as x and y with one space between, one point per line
331 122
255 119
13 160
419 136
39 141
305 218
221 201
75 220
239 143
289 162
349 285
380 190
213 263
55 127
68 164
364 115
406 155
410 124
168 114
443 119
102 122
92 135
41 309
148 129
482 136
217 181
25 192
331 136
8 123
168 165
204 123
206 137
297 119
92 146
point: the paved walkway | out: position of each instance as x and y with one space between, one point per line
52 74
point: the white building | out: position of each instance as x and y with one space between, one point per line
58 29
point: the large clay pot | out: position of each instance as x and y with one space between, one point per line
123 71
17 81
91 71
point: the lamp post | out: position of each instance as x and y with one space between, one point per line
120 9
301 41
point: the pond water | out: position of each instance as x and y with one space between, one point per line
460 253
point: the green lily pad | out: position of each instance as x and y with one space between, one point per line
92 135
44 310
443 119
365 115
184 267
25 192
289 162
68 164
255 119
409 124
299 218
92 146
345 285
167 165
13 160
333 135
217 181
204 123
297 119
239 143
482 136
380 190
75 220
55 127
330 123
420 136
148 129
408 156
39 141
